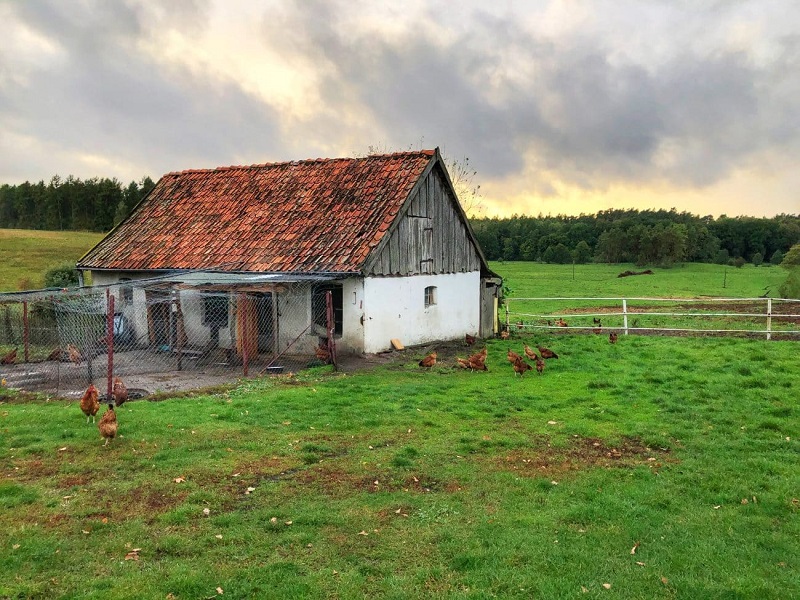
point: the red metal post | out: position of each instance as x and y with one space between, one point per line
244 310
25 333
110 341
330 322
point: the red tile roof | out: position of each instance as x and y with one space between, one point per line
322 215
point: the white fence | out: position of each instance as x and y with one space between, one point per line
750 316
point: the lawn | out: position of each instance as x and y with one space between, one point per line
25 256
653 468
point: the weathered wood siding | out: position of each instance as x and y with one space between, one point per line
431 238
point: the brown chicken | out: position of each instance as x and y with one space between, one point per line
323 353
428 361
74 354
10 358
512 356
55 354
612 337
520 324
119 393
546 352
108 425
476 362
539 365
520 366
561 323
504 334
530 353
90 403
470 339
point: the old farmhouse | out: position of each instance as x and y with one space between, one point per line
384 233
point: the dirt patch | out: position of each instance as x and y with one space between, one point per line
631 273
580 455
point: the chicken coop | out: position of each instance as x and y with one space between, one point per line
208 328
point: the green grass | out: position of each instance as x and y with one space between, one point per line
25 255
403 483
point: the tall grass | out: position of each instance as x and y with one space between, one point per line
25 255
661 467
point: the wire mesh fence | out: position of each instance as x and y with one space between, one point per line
59 342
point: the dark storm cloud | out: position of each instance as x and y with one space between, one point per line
103 96
588 115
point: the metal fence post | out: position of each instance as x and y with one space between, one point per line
330 323
769 318
243 305
625 315
109 341
25 333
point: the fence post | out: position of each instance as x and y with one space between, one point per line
110 341
25 335
330 325
243 305
507 302
769 318
625 315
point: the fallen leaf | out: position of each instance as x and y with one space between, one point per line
664 580
273 520
552 422
133 554
397 512
717 506
554 482
171 596
235 474
85 531
15 546
219 591
635 546
218 536
104 520
362 532
607 586
250 490
289 522
641 564
745 501
62 449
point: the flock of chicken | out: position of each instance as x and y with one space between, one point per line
90 405
477 361
72 352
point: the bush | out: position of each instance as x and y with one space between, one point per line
792 257
791 287
777 257
758 258
739 262
722 257
61 277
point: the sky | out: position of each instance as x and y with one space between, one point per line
558 106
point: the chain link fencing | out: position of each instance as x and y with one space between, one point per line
57 342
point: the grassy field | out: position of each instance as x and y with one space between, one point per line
25 256
653 468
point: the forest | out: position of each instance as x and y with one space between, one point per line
652 237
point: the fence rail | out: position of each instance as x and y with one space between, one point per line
752 316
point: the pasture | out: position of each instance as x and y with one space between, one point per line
653 468
25 255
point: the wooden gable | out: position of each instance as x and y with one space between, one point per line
431 234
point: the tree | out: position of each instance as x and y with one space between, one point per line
777 257
63 276
462 175
558 254
758 259
582 253
739 262
722 257
792 257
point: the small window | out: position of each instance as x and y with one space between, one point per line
215 310
126 292
430 296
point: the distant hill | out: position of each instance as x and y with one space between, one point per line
26 255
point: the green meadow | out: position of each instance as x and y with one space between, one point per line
25 255
653 468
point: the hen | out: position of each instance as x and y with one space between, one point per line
90 402
546 352
505 334
520 366
323 353
10 358
55 355
108 424
470 339
512 356
530 353
74 354
612 337
539 365
428 361
561 323
476 362
119 393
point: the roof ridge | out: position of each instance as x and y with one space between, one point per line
425 152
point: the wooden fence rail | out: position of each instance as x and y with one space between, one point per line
620 310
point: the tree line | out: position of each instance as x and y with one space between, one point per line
70 204
644 237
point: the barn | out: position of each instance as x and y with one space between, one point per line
385 234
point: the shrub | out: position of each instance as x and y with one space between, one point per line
758 258
63 276
739 262
777 257
722 257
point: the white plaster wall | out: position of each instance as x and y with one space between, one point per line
394 307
